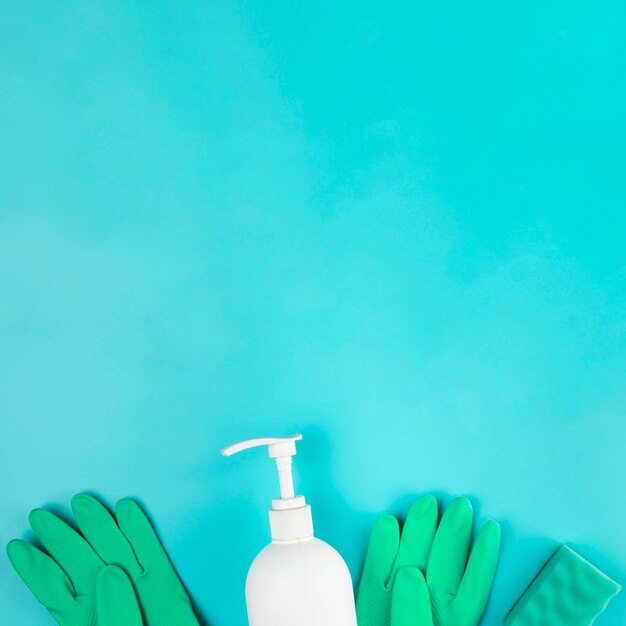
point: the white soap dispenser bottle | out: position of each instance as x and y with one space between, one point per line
297 580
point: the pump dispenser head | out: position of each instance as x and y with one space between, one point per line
290 515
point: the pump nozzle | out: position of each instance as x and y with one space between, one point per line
279 448
290 516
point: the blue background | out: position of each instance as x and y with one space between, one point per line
397 227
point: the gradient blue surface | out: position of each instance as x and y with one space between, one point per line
396 227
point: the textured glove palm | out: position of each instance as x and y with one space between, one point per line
105 574
116 602
423 577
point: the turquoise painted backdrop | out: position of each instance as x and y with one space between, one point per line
397 227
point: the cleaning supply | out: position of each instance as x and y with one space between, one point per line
116 602
296 580
460 586
72 579
438 583
410 602
391 560
568 591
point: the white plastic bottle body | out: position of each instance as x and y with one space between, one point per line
300 584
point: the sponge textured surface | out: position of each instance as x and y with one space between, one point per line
569 591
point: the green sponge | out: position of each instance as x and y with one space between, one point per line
568 591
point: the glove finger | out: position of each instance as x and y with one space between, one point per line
140 534
448 556
373 603
481 568
417 537
152 557
410 605
42 575
102 532
116 601
67 548
381 552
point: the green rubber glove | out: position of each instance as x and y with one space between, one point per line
459 587
393 572
116 601
71 578
422 576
